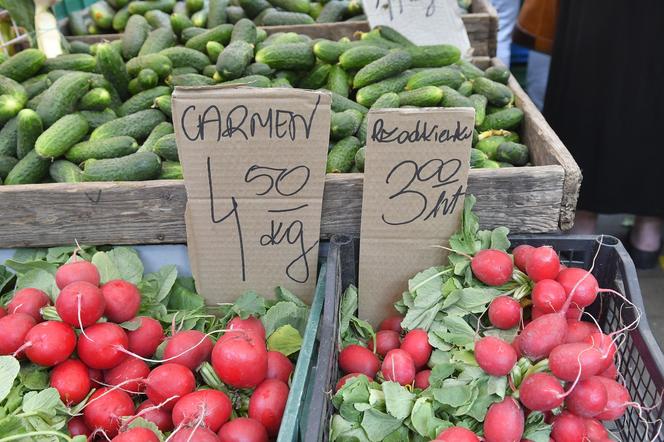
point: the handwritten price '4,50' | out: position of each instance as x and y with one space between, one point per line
397 6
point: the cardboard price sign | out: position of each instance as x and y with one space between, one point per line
254 169
424 22
415 178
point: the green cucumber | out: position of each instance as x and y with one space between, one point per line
330 51
180 7
36 85
7 163
181 57
95 99
139 166
216 13
315 9
161 64
61 135
134 86
59 99
79 47
367 95
291 5
13 98
164 104
166 148
102 14
281 82
489 144
244 30
210 71
71 62
338 81
340 104
113 147
221 34
184 70
513 153
194 5
23 65
341 157
333 11
190 33
158 40
143 100
251 80
489 164
469 70
316 78
433 56
159 131
29 170
141 7
499 74
477 158
170 170
213 49
135 34
344 124
254 7
147 79
452 98
466 88
286 18
296 56
189 80
113 69
374 38
120 19
234 59
258 69
394 35
427 96
159 19
444 76
283 38
137 125
391 64
63 171
389 100
508 118
292 76
180 22
479 103
97 118
234 14
359 158
360 56
200 18
498 94
29 128
8 138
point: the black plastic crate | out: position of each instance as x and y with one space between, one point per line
640 358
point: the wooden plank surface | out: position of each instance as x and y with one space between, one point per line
523 199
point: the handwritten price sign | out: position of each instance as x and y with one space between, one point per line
254 163
415 177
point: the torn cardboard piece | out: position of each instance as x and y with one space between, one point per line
254 169
415 178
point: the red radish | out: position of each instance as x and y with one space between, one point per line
574 312
536 313
105 408
77 427
611 372
386 340
588 398
130 368
595 431
504 312
495 356
568 428
416 344
80 300
157 415
541 392
146 338
492 267
267 404
347 378
548 296
72 381
618 400
189 348
398 366
212 406
521 254
458 434
543 263
357 359
392 323
422 379
250 324
29 301
96 377
193 434
240 360
566 360
605 345
169 382
122 300
542 335
101 346
516 346
243 429
504 422
49 343
14 328
77 270
3 312
582 282
578 331
136 434
278 366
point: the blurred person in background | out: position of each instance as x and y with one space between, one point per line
604 100
508 11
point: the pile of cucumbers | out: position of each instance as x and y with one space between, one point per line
103 111
108 16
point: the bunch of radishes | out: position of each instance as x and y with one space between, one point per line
576 389
89 352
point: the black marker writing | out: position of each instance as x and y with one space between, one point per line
285 181
422 132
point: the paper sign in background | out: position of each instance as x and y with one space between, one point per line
415 177
254 168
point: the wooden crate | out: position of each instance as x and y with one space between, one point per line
536 199
481 25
